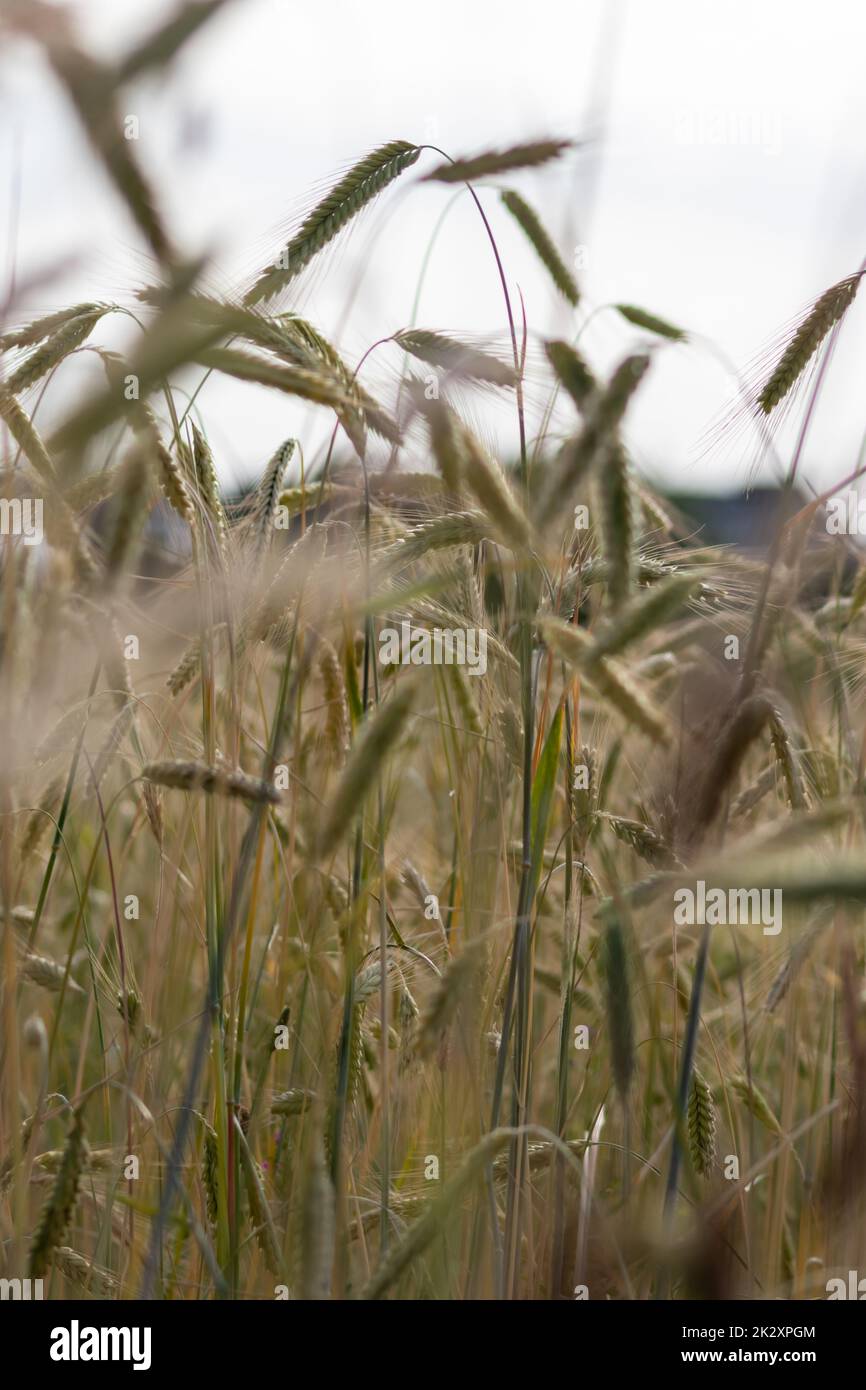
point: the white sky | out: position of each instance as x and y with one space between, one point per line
721 186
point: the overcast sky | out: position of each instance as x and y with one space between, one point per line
719 184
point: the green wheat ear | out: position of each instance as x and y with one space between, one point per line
756 1102
701 1126
481 166
805 342
641 319
346 199
57 1212
572 371
532 226
589 452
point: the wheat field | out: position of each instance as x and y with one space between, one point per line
429 875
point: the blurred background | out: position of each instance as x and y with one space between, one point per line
717 182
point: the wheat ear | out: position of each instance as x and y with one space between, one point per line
530 223
57 1211
217 781
701 1126
805 342
482 166
346 199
